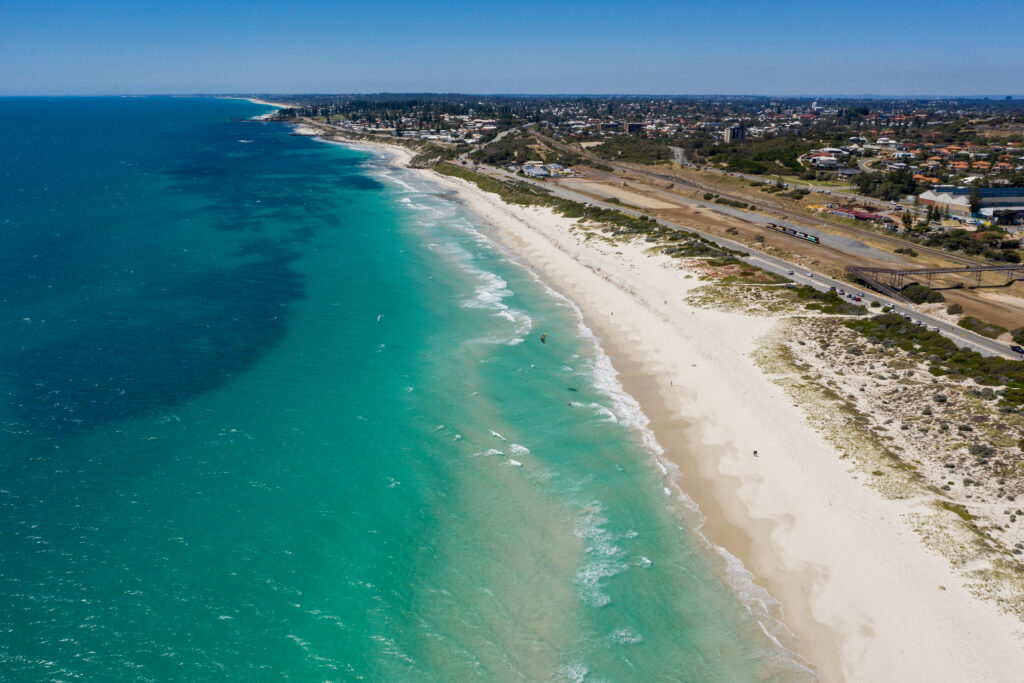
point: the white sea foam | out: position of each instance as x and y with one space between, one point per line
609 415
490 292
409 204
627 636
514 463
576 673
519 450
394 178
496 435
604 558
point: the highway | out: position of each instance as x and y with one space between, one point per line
961 337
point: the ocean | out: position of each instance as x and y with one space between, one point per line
274 409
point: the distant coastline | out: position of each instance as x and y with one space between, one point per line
254 100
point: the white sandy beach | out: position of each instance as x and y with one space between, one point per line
258 101
857 586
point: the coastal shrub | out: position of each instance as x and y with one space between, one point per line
985 393
954 309
633 148
615 222
892 329
827 302
765 154
708 196
981 450
939 398
731 202
920 294
985 329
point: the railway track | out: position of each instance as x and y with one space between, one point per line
769 208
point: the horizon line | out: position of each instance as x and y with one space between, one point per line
840 96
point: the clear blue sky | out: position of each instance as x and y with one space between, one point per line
781 47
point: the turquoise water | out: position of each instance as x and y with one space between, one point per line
274 410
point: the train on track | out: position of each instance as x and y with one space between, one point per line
793 233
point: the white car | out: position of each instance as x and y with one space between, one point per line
810 274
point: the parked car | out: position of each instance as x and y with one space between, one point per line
1017 349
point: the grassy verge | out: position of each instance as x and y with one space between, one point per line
983 328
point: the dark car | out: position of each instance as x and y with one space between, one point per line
1017 349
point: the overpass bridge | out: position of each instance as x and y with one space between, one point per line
891 280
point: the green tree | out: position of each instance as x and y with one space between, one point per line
908 221
974 199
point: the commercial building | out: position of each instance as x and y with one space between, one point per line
536 171
994 201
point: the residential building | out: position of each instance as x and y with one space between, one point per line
735 133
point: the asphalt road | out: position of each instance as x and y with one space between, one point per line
961 337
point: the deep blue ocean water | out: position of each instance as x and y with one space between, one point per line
272 409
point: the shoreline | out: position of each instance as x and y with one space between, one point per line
261 117
866 599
